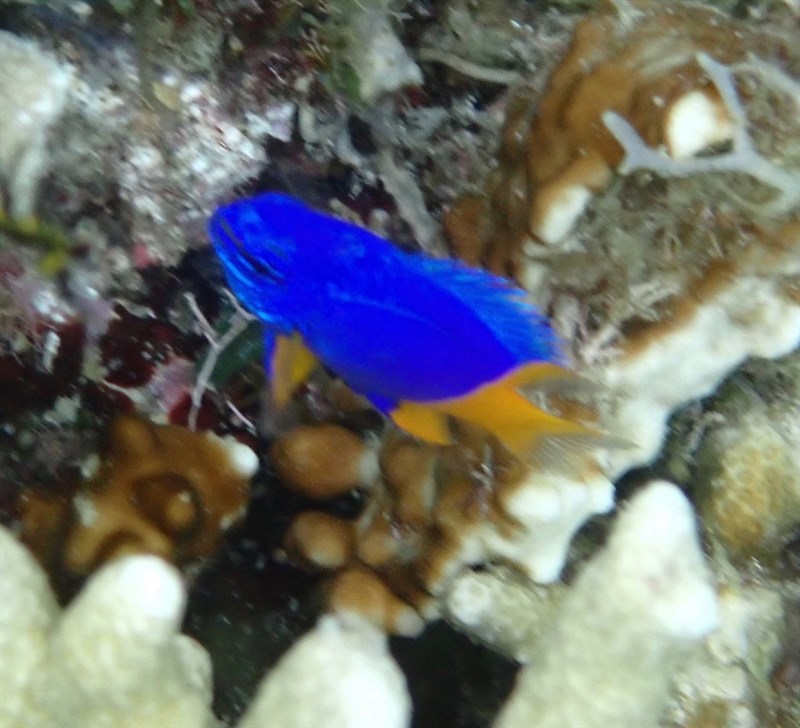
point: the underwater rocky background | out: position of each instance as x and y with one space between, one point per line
168 539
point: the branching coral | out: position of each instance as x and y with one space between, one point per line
115 658
161 490
361 688
743 157
651 578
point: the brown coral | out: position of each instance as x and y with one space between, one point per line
428 512
161 490
638 59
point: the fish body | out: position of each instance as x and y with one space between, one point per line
421 338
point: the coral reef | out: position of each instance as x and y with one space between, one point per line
739 308
635 280
160 490
116 657
429 512
644 193
651 577
555 154
33 91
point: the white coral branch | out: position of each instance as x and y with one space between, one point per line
239 322
501 76
743 156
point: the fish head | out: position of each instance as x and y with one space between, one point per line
256 240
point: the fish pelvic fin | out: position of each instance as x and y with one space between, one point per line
290 364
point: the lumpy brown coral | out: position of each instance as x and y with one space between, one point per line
637 59
428 512
161 489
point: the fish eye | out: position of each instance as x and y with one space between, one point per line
259 266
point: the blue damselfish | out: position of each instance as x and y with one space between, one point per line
423 339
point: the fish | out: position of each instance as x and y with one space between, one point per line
423 339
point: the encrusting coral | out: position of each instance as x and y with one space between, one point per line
429 512
161 489
115 658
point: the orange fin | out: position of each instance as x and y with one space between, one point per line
536 374
422 421
516 421
292 363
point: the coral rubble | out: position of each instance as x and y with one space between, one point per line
161 489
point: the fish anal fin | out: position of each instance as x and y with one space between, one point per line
422 421
291 364
516 421
536 374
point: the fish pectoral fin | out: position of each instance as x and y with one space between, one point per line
422 421
290 363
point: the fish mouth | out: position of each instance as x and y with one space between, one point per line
258 266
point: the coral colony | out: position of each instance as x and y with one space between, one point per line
564 438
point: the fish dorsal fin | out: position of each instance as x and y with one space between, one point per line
500 306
